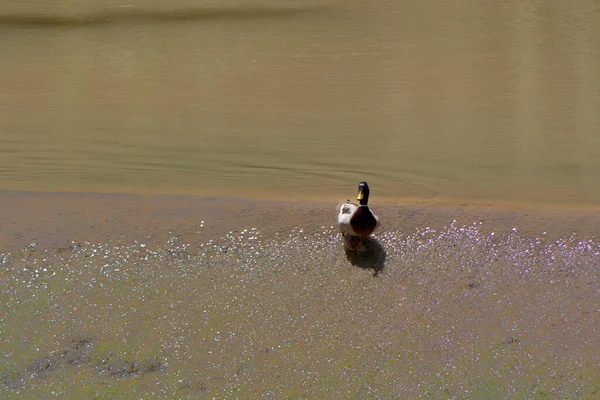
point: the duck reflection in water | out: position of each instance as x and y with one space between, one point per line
369 255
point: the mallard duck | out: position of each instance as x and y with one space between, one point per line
357 220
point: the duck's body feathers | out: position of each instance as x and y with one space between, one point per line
357 220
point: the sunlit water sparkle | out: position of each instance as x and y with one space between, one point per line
224 315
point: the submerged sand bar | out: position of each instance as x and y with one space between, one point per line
184 297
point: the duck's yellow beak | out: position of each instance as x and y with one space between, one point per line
360 195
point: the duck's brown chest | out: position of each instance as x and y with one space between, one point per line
363 221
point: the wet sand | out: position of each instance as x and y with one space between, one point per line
52 219
184 297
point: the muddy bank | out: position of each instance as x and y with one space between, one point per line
181 297
52 219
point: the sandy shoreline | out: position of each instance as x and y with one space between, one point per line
183 297
55 218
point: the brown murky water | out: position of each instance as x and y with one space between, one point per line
471 102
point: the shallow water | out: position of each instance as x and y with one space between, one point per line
469 102
455 312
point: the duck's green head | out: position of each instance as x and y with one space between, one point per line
363 193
